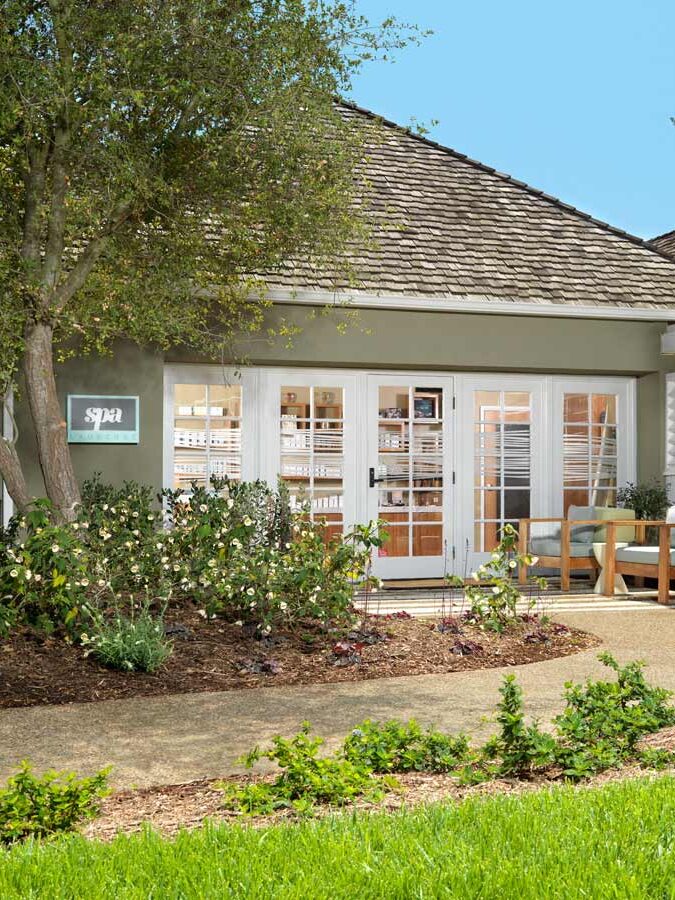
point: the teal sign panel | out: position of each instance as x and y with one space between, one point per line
102 419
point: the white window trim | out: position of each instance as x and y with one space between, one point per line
208 374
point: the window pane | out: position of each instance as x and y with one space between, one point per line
207 433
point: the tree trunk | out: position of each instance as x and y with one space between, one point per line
12 474
50 427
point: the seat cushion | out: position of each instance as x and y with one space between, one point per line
613 514
551 547
581 534
642 555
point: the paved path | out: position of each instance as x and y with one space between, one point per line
189 736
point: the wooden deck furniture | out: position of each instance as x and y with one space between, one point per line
572 556
642 561
638 560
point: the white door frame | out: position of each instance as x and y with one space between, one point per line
412 566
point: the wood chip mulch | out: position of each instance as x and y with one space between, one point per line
217 656
170 808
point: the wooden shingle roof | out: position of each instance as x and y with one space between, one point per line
445 225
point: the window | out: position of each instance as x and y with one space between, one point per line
502 463
589 450
206 433
410 469
312 450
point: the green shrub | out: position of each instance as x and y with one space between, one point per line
56 802
306 779
395 746
521 749
603 720
304 578
44 578
494 596
134 643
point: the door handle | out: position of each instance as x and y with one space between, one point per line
372 480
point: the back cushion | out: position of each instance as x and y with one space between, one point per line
582 534
611 513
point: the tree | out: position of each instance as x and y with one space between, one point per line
157 157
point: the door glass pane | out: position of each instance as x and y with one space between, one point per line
207 433
589 450
410 460
502 462
312 451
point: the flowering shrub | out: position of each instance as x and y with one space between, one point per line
237 551
494 596
303 578
44 578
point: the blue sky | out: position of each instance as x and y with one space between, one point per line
573 97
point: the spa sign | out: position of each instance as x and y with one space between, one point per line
96 419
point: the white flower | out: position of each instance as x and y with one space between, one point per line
134 568
159 545
13 573
283 605
176 567
37 576
267 629
84 582
251 592
84 525
496 589
203 507
512 564
211 563
247 521
151 518
28 574
239 623
135 532
134 514
202 613
230 503
101 582
495 557
105 507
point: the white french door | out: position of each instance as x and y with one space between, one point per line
409 472
502 465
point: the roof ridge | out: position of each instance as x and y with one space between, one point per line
659 237
550 198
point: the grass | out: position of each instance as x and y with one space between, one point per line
617 841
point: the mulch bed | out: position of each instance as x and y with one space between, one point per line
167 809
217 656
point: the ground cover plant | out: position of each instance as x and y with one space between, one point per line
599 729
614 841
53 803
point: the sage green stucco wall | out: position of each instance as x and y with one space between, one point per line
384 339
129 371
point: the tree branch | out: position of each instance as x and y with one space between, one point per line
53 258
88 258
34 185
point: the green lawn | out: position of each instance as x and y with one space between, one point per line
618 841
